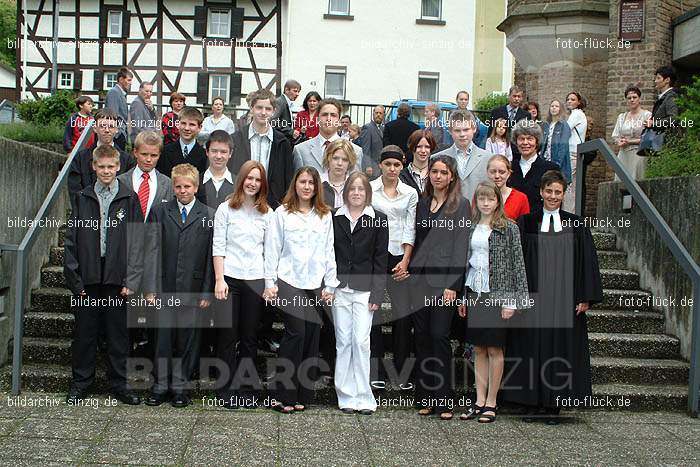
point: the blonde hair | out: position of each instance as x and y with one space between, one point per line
150 138
105 151
186 171
499 220
342 145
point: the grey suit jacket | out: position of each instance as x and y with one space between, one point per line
310 153
116 100
476 168
665 109
164 187
282 117
141 118
371 139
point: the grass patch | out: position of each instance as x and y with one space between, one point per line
32 133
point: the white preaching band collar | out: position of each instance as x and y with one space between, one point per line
545 220
208 176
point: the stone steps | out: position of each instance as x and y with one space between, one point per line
650 346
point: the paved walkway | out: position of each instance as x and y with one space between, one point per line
43 430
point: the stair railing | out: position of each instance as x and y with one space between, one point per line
669 239
23 250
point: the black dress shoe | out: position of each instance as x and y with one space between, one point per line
74 396
180 400
127 397
155 399
366 412
347 410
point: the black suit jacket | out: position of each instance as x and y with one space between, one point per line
280 166
362 255
502 112
183 252
530 184
440 249
397 132
171 155
282 118
81 174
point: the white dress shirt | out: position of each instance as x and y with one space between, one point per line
239 236
478 272
189 146
188 207
299 250
260 145
400 213
546 215
137 179
224 123
344 211
526 165
217 182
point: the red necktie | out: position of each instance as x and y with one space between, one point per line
144 191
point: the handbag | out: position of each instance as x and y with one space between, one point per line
650 142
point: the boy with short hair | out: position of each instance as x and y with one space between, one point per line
217 181
82 174
186 150
181 247
76 123
103 266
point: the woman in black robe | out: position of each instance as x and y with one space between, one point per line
547 355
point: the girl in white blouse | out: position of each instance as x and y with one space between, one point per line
579 125
299 259
217 120
240 225
498 141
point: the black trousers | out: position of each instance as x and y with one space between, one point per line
238 344
177 349
296 369
103 308
402 323
434 385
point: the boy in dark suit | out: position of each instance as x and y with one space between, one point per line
217 181
186 150
181 245
82 173
103 266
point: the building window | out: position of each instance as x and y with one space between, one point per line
338 7
65 80
428 86
110 80
431 9
335 82
219 23
218 87
114 23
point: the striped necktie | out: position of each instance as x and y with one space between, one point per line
144 192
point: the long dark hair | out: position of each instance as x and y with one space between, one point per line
236 199
454 189
311 94
291 199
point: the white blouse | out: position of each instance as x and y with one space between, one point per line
400 213
499 147
478 274
299 250
239 236
224 123
579 125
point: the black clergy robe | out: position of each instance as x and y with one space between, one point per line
547 354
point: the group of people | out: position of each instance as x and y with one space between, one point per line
258 222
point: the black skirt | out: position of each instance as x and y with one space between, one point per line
485 327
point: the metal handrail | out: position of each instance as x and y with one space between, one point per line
23 250
679 251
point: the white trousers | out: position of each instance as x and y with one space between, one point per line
569 203
353 322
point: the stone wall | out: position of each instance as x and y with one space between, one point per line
676 199
26 176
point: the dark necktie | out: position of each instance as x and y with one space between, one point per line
185 152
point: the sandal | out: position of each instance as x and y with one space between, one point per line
299 407
485 417
473 412
281 408
425 411
446 416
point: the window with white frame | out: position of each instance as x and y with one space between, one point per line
428 86
219 23
110 80
431 9
335 82
338 7
65 80
218 86
114 23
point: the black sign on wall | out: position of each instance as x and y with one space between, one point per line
631 16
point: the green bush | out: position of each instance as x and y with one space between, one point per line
680 154
51 110
493 100
32 133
